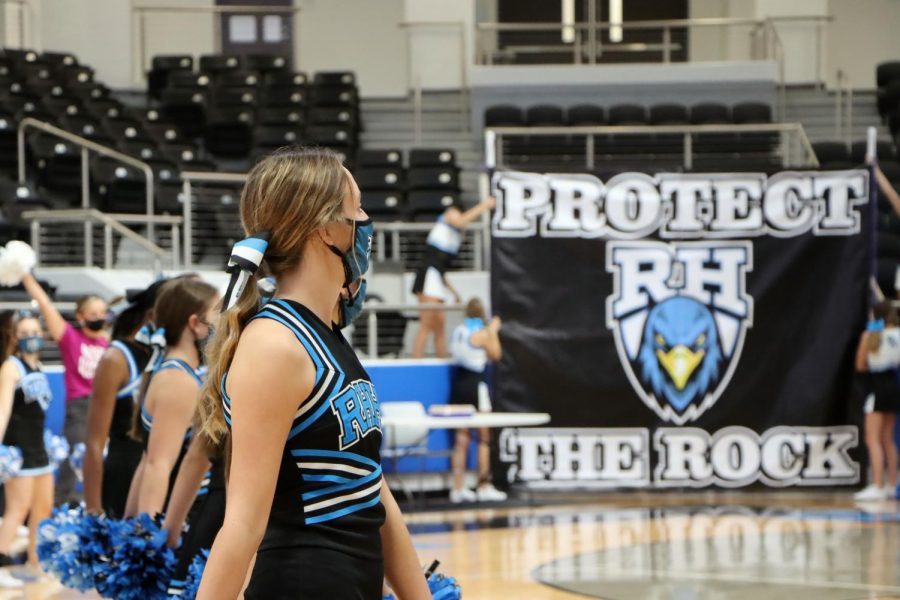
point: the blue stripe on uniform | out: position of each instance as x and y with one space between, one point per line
337 454
344 511
328 478
343 487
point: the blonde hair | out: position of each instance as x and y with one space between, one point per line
289 194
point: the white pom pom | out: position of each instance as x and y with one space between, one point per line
17 259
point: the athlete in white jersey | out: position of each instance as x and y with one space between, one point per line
474 343
431 285
878 356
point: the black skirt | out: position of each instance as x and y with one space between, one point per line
464 389
122 460
883 384
314 573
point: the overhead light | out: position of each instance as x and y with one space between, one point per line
615 20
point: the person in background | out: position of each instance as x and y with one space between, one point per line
184 312
878 355
24 397
474 342
431 285
81 349
116 383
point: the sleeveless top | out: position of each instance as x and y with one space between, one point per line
137 356
887 357
328 493
146 417
467 356
444 237
25 429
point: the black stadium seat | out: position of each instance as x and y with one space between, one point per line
335 78
710 113
545 115
229 132
504 115
218 63
334 96
627 114
884 150
162 67
621 143
586 115
332 135
752 113
431 157
276 136
430 178
384 205
376 178
428 205
333 116
281 116
830 153
265 63
380 158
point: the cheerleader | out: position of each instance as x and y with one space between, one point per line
474 342
116 381
199 490
80 349
183 314
24 398
431 285
878 355
305 491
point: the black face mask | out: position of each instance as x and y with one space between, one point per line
96 325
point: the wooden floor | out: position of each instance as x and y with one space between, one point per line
704 546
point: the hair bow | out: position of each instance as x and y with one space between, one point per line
246 256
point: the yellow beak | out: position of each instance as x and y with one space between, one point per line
680 362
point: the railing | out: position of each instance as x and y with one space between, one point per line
140 12
582 41
415 78
111 223
843 108
402 242
371 335
87 146
793 140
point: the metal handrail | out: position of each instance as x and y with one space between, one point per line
493 157
86 147
187 177
110 222
778 55
373 308
416 82
646 24
139 24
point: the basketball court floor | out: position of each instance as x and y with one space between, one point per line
797 545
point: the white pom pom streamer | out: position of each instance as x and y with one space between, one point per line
17 259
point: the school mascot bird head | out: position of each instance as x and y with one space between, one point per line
680 360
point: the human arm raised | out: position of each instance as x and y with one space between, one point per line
461 219
56 325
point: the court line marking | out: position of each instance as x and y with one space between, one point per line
656 575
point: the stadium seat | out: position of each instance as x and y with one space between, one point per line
619 144
582 115
428 205
266 63
58 165
376 178
345 116
295 97
243 97
219 63
384 205
162 67
831 153
229 132
392 159
545 115
884 150
281 116
285 79
185 108
504 116
334 95
122 188
429 157
272 137
710 113
334 78
430 178
332 135
239 79
747 113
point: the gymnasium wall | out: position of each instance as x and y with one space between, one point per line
364 35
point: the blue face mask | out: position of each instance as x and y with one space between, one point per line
31 345
351 307
356 258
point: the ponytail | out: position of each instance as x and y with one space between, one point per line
240 303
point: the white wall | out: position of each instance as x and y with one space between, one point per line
865 33
437 50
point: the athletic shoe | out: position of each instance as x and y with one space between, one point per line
870 492
7 581
890 492
463 495
488 493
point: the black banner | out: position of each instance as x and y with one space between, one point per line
681 329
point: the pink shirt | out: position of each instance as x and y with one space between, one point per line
80 356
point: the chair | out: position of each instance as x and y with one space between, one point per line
377 178
746 113
218 63
280 115
334 78
266 63
544 115
432 157
339 136
293 97
405 441
385 205
504 115
229 132
830 153
335 95
427 205
430 178
392 158
344 116
272 137
585 115
162 67
285 79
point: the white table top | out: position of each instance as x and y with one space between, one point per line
492 419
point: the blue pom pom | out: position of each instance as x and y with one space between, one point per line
444 588
195 574
141 564
10 462
69 544
57 448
